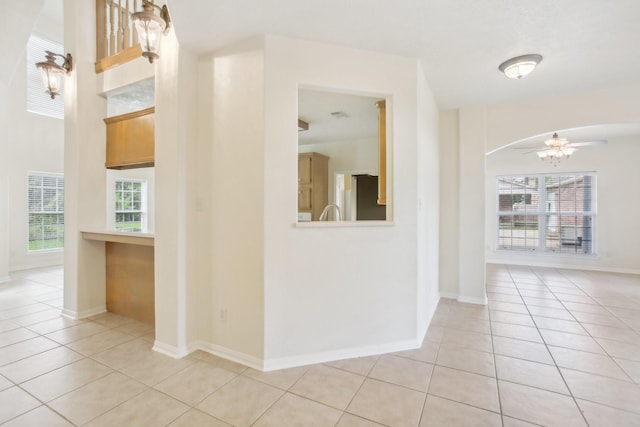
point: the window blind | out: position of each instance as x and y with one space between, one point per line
46 211
553 212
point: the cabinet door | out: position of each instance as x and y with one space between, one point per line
304 198
382 153
131 140
304 169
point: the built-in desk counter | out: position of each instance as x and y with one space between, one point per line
129 264
142 239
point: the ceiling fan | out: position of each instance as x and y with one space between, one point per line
556 148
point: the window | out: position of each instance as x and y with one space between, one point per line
553 213
46 211
131 205
38 100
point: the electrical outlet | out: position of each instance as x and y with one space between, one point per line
222 315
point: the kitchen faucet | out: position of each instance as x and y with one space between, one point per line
325 212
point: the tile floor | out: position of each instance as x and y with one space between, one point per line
553 347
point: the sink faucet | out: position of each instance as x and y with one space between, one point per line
325 212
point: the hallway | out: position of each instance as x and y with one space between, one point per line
553 347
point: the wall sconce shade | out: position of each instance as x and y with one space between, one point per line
52 73
520 66
150 28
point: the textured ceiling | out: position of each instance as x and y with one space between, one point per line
586 44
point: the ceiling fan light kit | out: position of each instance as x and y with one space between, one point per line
520 66
555 150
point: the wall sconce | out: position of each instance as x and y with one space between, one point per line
150 28
52 73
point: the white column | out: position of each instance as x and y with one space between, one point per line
4 185
85 174
471 240
449 203
175 133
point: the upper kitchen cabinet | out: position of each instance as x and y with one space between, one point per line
382 152
131 140
312 184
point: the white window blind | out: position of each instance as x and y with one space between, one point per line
38 100
553 213
46 211
131 205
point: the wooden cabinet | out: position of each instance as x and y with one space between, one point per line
131 140
313 183
130 281
382 152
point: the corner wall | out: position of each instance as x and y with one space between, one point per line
335 292
231 133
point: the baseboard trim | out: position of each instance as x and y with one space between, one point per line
462 298
78 315
330 356
227 353
473 300
267 365
449 295
423 329
170 350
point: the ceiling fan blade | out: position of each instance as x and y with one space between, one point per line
526 148
586 143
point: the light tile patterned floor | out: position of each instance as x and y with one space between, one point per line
553 347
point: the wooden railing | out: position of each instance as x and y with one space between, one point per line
116 38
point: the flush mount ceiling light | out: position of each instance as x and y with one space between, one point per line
52 73
339 115
520 66
150 28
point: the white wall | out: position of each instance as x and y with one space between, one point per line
18 21
341 292
615 164
232 123
33 143
429 237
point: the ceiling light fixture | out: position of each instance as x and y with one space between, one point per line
150 28
520 66
555 150
52 73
